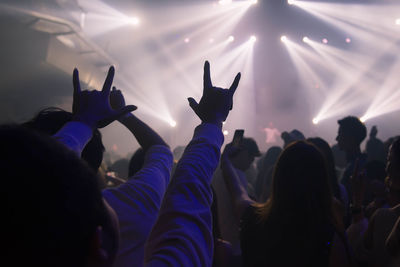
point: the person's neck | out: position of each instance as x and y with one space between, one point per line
352 154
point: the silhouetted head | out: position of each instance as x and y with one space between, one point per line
351 133
248 150
54 213
51 120
300 182
289 137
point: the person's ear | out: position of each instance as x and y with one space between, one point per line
97 253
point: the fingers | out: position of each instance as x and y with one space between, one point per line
192 103
207 78
75 82
109 80
235 84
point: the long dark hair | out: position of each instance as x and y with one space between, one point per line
300 207
326 150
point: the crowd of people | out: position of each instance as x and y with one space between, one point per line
297 205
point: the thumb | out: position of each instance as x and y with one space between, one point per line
118 114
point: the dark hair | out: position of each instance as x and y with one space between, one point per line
51 120
300 206
52 200
352 126
326 151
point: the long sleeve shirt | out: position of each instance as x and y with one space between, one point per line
135 202
182 235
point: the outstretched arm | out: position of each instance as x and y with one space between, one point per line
238 193
182 235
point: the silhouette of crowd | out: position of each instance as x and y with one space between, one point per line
303 204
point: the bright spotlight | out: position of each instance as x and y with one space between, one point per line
253 2
363 119
291 2
306 39
172 123
397 21
315 121
133 21
231 39
284 38
187 40
225 132
325 41
348 40
253 39
224 2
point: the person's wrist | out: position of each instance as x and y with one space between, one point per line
88 122
125 118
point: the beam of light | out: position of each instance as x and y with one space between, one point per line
231 39
253 39
102 18
356 77
291 2
387 98
284 38
303 60
352 18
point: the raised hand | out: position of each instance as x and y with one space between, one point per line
93 107
215 104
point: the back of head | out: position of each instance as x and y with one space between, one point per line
353 127
298 217
53 204
326 150
300 182
51 120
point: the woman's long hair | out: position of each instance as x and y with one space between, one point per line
300 206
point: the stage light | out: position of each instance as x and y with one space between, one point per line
398 21
363 119
172 123
291 2
225 2
325 41
315 121
225 132
253 39
284 38
348 40
187 40
253 2
231 39
133 21
306 39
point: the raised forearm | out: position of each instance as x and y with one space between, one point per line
145 135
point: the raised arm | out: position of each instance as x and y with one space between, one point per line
237 191
182 235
